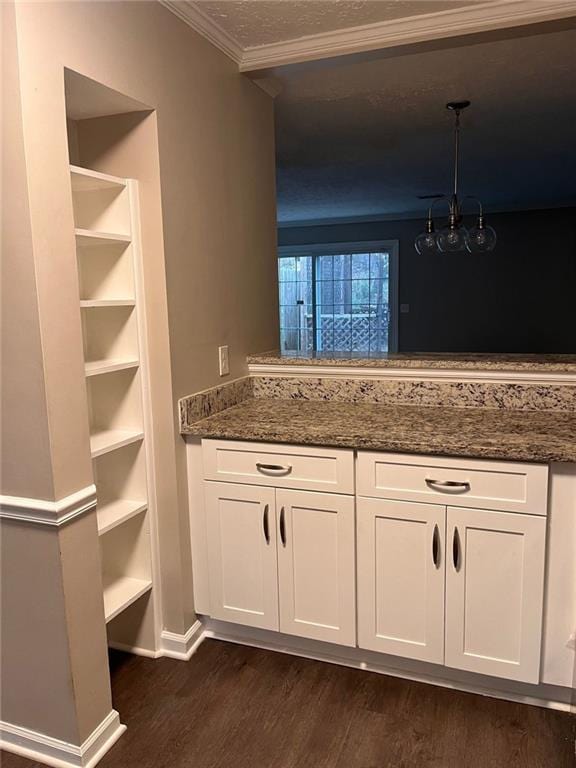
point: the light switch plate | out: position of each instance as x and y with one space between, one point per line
223 361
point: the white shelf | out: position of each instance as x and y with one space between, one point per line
98 367
114 513
90 303
91 237
120 592
85 180
111 439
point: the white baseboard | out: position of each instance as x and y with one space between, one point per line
135 649
61 754
547 696
176 646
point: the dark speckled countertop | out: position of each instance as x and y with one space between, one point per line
540 436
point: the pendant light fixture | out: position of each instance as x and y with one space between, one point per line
454 236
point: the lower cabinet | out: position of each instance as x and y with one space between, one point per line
463 587
316 565
494 592
243 566
437 581
282 560
401 578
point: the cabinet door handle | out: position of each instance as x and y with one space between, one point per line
265 525
436 546
454 486
282 527
456 550
273 469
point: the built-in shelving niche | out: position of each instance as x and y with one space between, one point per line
105 215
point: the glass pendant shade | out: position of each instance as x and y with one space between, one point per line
481 238
452 239
425 243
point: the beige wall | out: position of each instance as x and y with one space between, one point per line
25 468
214 176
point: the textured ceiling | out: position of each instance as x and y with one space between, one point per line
366 137
259 22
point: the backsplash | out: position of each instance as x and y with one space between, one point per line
524 397
211 401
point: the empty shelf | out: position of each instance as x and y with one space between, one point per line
91 237
85 180
91 303
113 513
97 367
110 439
120 592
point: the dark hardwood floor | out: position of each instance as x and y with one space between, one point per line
238 707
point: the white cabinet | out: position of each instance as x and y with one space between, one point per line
411 562
282 560
454 586
316 565
401 578
494 593
241 527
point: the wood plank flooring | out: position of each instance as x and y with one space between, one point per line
237 707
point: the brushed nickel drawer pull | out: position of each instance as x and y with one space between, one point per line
451 486
273 469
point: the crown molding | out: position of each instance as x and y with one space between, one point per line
191 13
52 513
483 17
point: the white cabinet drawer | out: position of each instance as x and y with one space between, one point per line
502 485
282 466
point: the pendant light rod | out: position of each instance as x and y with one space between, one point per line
456 107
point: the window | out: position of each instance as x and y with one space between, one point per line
338 298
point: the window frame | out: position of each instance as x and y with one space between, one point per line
391 247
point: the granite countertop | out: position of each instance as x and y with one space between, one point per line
446 361
539 436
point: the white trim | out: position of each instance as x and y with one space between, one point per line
147 415
410 374
547 696
176 646
192 14
482 17
53 513
135 650
62 754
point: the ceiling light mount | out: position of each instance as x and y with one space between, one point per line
455 237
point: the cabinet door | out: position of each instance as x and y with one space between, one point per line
316 565
494 593
401 578
241 527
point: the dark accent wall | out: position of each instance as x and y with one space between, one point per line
519 298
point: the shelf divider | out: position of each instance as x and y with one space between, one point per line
120 592
113 513
111 439
90 303
91 237
98 367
